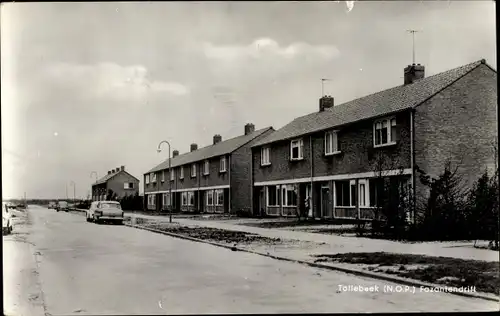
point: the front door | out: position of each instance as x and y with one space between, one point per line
309 200
262 203
325 201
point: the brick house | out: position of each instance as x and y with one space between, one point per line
212 179
118 181
335 158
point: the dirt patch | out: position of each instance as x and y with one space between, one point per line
451 272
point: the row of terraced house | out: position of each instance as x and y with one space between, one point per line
331 163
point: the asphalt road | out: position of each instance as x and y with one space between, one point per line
58 264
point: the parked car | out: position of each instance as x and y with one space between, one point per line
52 205
62 206
105 211
6 219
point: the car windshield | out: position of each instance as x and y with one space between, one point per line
110 205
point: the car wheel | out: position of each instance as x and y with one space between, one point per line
120 222
94 220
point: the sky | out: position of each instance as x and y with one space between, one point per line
93 86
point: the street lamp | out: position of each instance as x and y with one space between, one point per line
74 190
169 180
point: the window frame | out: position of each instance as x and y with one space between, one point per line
147 179
350 184
391 123
206 167
163 176
153 174
285 189
181 173
366 197
300 145
165 199
219 193
332 138
265 156
172 175
210 193
277 189
193 170
222 159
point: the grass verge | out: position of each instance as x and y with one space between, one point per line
451 272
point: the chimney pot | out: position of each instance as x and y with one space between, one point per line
175 153
413 72
109 172
249 128
194 147
122 168
326 101
217 139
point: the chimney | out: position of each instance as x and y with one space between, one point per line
194 147
325 102
109 172
122 168
249 128
217 139
414 72
175 153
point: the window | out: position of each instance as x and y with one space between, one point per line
384 132
151 199
210 197
297 149
345 193
364 193
172 175
264 156
166 199
289 195
191 198
181 175
331 143
273 195
222 164
128 185
193 170
147 179
187 198
219 197
153 177
163 176
206 167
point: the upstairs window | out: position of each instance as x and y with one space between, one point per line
206 167
128 185
172 175
222 164
163 176
147 179
384 132
297 149
264 156
153 177
181 175
331 143
193 170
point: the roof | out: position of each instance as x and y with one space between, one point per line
108 177
219 149
378 104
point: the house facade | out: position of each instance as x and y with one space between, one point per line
116 182
333 163
212 179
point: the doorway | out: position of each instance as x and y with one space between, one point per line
325 201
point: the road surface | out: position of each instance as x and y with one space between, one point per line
58 264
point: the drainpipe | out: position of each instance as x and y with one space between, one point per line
311 203
229 195
412 151
198 170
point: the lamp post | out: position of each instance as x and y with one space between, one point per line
96 176
74 190
169 179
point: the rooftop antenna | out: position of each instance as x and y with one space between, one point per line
413 39
323 86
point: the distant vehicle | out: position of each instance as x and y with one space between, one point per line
62 206
52 205
105 211
6 220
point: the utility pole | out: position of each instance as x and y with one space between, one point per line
413 40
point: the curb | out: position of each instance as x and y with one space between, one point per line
384 277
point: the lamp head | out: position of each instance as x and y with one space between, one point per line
159 150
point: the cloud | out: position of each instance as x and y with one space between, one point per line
110 80
268 48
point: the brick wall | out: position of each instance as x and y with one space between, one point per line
116 184
357 153
459 123
215 177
